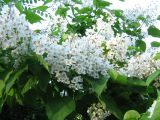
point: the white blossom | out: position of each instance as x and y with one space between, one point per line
82 54
156 83
142 65
76 83
14 33
14 28
104 28
118 48
62 77
98 112
150 11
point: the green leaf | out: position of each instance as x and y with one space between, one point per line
60 108
77 1
30 83
136 82
157 56
141 17
141 45
39 68
43 78
32 17
8 75
101 3
153 112
118 13
112 107
11 81
18 99
133 25
56 31
131 115
116 77
11 92
85 10
1 69
155 44
2 85
152 77
113 74
153 31
121 79
158 18
7 1
47 1
42 62
100 85
62 11
20 7
1 104
41 8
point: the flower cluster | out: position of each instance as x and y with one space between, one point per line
15 33
97 112
104 28
157 83
71 58
150 11
14 29
118 48
76 83
141 65
84 55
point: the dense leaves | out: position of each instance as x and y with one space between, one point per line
39 82
153 111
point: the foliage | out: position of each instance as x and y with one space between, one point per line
106 72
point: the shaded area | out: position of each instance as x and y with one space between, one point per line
22 113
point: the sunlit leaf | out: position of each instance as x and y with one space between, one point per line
155 44
32 17
153 31
131 115
152 77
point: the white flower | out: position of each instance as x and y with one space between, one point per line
14 29
14 33
105 28
142 65
62 77
149 11
156 83
97 112
82 54
76 83
118 48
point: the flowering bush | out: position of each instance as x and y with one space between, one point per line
89 62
